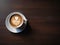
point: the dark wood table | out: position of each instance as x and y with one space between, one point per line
43 22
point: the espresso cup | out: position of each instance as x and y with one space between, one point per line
16 22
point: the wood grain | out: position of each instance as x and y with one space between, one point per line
44 22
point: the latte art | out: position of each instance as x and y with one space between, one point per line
16 20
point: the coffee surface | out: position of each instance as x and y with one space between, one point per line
15 20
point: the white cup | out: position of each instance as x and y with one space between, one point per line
18 28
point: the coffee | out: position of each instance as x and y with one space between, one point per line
15 20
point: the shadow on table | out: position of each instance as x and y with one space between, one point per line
25 32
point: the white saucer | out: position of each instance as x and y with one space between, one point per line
12 29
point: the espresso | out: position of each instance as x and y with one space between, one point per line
15 20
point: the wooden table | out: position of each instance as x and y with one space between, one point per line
43 22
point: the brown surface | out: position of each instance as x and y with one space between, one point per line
44 21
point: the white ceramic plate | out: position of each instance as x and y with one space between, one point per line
12 29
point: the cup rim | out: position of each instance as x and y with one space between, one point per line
11 14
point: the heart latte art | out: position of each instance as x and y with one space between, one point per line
16 20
